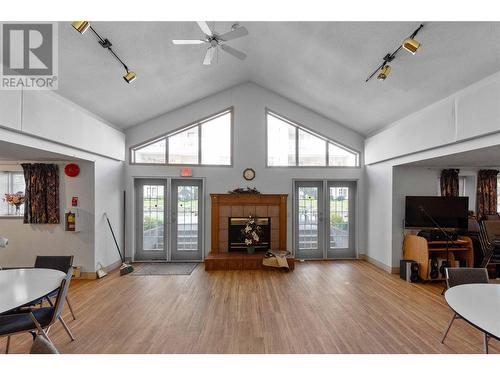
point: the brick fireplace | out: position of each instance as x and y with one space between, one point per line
227 206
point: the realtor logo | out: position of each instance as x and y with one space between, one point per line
29 56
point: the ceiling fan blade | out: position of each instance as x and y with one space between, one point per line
238 54
236 33
204 27
188 41
209 56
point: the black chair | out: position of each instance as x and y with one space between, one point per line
37 320
460 276
59 263
489 236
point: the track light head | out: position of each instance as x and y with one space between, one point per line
81 26
411 45
129 76
384 72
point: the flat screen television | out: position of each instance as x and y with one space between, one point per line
448 212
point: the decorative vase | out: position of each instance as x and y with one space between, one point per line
18 210
251 249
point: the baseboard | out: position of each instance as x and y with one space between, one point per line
93 275
379 264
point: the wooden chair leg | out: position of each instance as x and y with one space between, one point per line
66 328
8 345
70 308
448 328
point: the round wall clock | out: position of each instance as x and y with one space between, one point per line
249 174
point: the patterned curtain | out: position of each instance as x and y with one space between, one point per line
42 193
486 192
449 182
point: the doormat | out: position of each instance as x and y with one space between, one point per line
150 269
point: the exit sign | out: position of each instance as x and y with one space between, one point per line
186 172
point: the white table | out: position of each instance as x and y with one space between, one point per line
21 286
479 305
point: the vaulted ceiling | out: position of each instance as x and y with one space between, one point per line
321 65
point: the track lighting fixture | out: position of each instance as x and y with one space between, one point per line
384 72
82 26
409 44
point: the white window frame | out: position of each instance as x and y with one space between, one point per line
10 209
181 129
297 126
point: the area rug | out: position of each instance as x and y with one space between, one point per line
150 269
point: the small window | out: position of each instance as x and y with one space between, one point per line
291 145
206 142
10 183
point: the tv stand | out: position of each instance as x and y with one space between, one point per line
421 251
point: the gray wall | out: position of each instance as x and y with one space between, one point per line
249 102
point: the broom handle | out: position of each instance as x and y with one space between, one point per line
114 238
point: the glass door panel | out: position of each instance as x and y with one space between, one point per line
341 219
150 220
309 219
186 220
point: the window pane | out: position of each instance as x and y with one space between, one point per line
280 142
339 217
312 150
339 157
153 153
216 141
153 214
183 147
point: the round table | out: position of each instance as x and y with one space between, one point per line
21 286
477 304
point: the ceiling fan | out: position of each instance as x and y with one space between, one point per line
214 40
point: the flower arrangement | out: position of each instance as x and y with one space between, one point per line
251 232
16 199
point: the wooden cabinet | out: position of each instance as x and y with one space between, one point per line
420 250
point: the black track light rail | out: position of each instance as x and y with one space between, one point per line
390 56
105 43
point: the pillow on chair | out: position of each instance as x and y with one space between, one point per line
42 346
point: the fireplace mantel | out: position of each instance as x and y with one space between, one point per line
244 205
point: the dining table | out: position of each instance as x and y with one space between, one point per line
478 305
22 286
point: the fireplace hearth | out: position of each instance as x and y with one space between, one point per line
236 239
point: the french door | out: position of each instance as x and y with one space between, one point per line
168 219
324 216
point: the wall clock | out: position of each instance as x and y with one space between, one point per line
249 174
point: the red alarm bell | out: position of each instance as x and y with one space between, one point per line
72 170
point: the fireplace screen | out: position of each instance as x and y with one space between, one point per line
236 241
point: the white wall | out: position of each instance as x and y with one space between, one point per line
408 181
467 120
250 102
45 121
108 199
26 241
47 115
469 113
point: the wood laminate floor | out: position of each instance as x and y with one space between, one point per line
321 307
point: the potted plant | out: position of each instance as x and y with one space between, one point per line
251 233
16 200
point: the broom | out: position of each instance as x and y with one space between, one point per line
124 268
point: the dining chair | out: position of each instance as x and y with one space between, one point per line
59 263
461 276
39 320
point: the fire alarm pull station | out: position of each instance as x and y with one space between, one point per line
74 201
